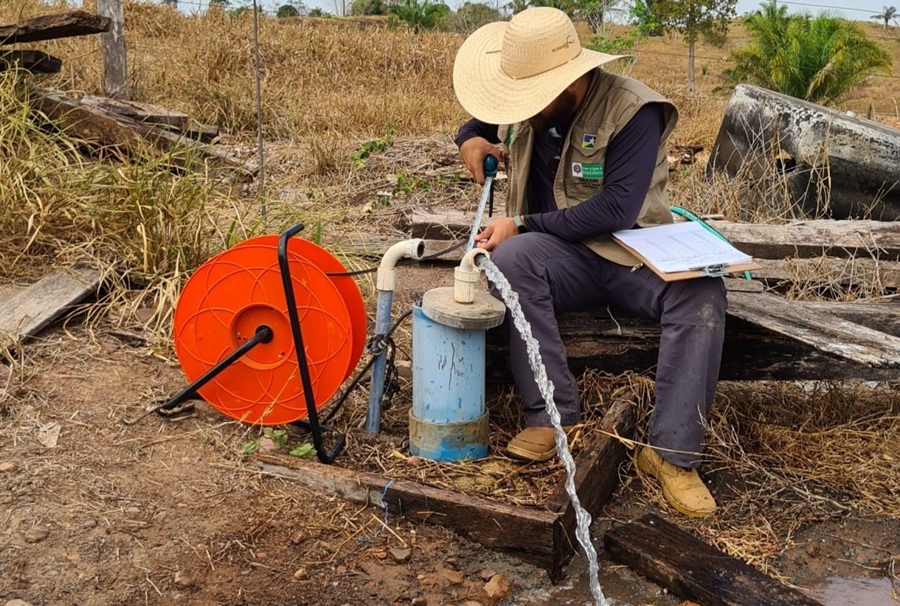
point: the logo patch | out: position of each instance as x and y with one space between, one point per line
581 170
588 141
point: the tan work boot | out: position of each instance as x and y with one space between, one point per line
537 444
683 488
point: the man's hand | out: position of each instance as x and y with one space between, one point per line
474 151
495 233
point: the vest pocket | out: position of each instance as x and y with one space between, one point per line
584 171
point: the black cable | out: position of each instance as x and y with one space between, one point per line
359 376
402 262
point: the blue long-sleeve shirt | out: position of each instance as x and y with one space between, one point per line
629 165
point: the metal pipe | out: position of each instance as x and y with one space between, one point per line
385 283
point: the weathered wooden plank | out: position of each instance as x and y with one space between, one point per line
593 340
826 332
106 129
805 239
596 479
156 115
24 312
142 112
525 533
811 271
37 62
873 239
112 47
50 27
693 569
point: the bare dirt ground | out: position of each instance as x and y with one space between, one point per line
164 512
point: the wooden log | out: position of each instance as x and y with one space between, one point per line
153 114
50 27
693 569
24 312
37 62
106 129
528 534
822 156
596 479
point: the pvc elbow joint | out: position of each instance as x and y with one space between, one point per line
387 272
466 276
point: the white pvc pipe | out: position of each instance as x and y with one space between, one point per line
413 248
466 276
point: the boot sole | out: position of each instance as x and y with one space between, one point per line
529 455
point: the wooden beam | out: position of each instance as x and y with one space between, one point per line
826 332
805 239
112 46
594 340
156 115
817 270
873 239
525 533
693 569
106 129
37 62
24 312
596 479
50 27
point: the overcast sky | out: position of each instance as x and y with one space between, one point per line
849 10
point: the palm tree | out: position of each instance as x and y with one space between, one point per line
813 58
889 14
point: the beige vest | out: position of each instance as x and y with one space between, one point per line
610 103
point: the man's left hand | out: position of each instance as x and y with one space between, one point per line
495 233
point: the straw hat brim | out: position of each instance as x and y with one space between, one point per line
489 94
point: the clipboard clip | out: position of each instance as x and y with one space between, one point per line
714 271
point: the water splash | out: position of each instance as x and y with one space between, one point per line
582 530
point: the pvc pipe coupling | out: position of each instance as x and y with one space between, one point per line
387 272
466 276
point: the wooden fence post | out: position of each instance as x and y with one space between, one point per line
115 67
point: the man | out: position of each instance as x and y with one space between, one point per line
585 152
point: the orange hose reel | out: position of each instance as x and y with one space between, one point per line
239 291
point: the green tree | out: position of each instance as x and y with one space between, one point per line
472 15
694 19
644 17
817 59
887 15
418 15
318 12
367 7
286 11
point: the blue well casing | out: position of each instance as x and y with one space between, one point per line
448 420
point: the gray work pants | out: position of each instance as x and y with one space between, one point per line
551 275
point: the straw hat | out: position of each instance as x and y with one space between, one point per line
507 72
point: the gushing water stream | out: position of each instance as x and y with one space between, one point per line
582 531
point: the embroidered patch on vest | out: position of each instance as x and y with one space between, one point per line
588 141
587 171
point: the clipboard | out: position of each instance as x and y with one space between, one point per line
713 269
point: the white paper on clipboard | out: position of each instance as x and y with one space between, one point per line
683 246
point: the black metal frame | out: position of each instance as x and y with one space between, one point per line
264 335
